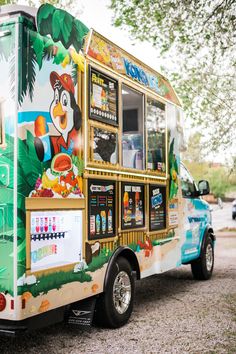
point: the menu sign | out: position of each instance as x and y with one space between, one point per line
132 206
101 207
103 103
173 214
157 207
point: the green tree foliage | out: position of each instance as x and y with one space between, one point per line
216 174
198 38
194 151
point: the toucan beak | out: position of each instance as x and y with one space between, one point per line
58 112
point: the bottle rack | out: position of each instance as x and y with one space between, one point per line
47 236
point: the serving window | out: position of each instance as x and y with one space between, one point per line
103 97
133 152
156 136
127 129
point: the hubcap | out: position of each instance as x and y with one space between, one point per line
209 257
122 292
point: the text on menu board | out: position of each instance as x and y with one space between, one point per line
101 205
157 207
132 206
103 98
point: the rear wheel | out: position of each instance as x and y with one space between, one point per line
115 305
202 268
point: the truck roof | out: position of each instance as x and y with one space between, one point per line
11 10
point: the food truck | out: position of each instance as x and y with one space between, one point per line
93 195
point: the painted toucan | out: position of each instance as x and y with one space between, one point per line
66 118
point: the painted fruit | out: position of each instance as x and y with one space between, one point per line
61 163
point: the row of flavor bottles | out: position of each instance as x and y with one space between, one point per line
102 221
47 224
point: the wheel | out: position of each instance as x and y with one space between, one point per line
115 305
202 267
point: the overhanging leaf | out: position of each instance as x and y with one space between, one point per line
57 24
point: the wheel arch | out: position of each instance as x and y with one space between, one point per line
128 254
208 232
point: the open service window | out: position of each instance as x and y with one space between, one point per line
133 129
156 136
55 238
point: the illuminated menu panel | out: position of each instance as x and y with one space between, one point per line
55 238
103 98
132 206
157 207
101 206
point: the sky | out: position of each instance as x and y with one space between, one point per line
95 14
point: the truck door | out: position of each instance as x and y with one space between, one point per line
196 217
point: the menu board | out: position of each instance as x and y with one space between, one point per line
157 207
132 206
104 146
101 207
173 213
103 103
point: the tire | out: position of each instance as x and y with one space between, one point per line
115 305
202 268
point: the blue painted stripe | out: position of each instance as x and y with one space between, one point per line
30 117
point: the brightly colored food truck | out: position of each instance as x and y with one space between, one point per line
92 192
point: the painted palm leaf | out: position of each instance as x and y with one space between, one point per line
27 67
61 26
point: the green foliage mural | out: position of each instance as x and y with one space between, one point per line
174 171
66 36
7 89
6 220
47 282
40 49
61 26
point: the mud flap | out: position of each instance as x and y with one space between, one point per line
80 314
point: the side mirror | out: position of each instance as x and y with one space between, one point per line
203 187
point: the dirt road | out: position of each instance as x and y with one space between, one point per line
172 314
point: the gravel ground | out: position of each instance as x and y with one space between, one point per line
172 314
